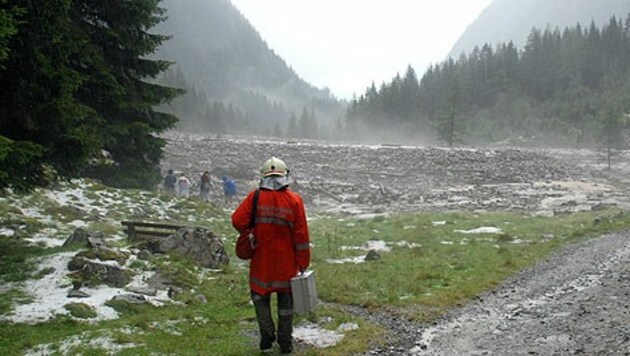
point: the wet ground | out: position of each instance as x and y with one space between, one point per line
575 303
375 179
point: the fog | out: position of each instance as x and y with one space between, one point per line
276 69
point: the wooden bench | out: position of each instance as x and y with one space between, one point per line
136 229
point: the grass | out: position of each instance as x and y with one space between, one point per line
17 259
449 267
444 269
81 310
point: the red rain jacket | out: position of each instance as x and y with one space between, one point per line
281 233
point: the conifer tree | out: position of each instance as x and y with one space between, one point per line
46 128
612 125
118 89
449 126
8 28
292 127
74 81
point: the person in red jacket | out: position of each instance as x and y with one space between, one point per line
282 250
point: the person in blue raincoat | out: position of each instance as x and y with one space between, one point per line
229 189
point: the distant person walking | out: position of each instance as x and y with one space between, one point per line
183 186
282 250
205 186
229 189
169 182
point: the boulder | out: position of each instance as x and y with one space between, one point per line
84 238
198 244
144 255
76 293
94 273
102 254
372 255
130 298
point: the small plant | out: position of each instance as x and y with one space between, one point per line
44 272
81 310
504 238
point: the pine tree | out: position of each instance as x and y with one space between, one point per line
292 127
45 128
117 88
449 126
8 28
612 125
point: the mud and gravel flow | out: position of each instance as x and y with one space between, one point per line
575 302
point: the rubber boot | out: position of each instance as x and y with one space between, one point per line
266 327
285 322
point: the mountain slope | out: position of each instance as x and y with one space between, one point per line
512 20
222 55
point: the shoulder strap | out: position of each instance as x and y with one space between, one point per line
252 222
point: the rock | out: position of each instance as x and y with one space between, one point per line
372 255
152 292
201 299
159 281
84 238
102 254
96 240
144 255
78 237
198 244
130 298
173 292
76 293
93 273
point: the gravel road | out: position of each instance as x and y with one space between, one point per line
575 303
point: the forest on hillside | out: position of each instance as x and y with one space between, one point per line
566 87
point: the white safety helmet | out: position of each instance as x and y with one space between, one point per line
274 167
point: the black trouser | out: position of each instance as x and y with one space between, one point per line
262 304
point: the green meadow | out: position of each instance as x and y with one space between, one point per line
429 263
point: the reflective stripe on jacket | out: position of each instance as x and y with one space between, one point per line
282 239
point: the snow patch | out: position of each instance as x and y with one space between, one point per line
49 294
377 245
355 260
313 335
78 223
481 230
7 232
46 237
84 340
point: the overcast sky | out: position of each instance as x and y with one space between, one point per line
346 44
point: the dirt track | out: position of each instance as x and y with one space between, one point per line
576 302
